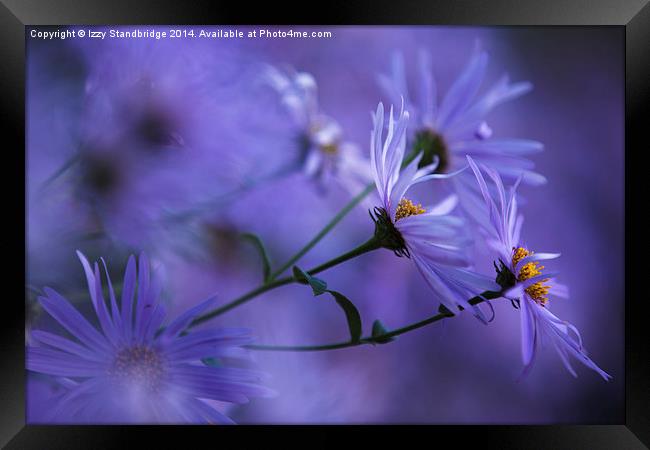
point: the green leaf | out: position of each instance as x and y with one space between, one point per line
318 286
257 242
378 329
351 314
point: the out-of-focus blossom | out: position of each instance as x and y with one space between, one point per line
431 237
324 155
129 371
456 126
156 136
532 287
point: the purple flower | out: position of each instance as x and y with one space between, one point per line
532 286
431 237
457 127
152 114
128 371
325 155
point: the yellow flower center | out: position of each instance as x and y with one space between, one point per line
406 208
537 291
329 149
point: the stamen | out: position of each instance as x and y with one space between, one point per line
537 291
406 208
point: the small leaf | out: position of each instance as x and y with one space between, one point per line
378 329
351 314
318 286
300 275
257 242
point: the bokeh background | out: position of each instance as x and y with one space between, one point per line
232 132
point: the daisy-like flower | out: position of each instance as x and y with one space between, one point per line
521 268
325 156
128 371
151 115
431 237
457 125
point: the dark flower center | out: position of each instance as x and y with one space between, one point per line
139 366
156 129
432 144
99 174
388 236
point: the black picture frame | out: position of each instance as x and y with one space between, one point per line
632 15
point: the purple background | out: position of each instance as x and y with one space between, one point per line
457 371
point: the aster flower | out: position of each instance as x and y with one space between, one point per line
457 125
325 156
522 269
151 115
431 237
128 371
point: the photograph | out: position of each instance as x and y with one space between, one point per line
325 225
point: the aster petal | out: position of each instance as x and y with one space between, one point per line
513 147
538 278
427 92
535 257
210 414
66 345
128 291
182 321
501 92
64 313
115 313
97 297
209 339
54 362
446 295
463 90
528 330
445 206
143 298
205 382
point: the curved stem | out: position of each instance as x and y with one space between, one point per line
337 218
377 339
370 245
322 233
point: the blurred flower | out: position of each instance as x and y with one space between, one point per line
429 236
131 373
521 267
456 127
324 154
151 116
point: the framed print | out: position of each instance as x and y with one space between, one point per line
410 218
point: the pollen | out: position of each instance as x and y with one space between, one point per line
537 291
406 208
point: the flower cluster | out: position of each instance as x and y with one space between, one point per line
161 149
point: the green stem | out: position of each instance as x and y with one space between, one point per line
337 218
322 233
381 338
370 245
